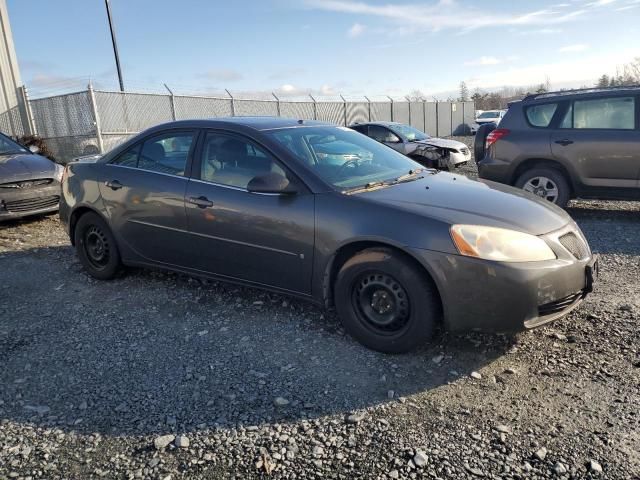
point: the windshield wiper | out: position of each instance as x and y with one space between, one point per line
412 175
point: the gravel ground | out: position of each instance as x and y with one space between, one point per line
162 376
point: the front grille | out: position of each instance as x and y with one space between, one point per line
32 204
574 244
558 305
27 183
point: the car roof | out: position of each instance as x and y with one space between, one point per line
581 92
257 123
381 123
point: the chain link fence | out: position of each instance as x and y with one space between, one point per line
91 121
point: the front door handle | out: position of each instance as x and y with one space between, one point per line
564 142
114 184
201 202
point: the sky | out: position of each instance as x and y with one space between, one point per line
322 47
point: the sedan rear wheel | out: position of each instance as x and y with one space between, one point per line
96 247
385 302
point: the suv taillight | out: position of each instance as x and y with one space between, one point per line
496 135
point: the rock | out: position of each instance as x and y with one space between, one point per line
476 375
39 409
510 371
355 418
171 420
280 402
182 441
541 454
560 336
503 429
390 394
83 405
163 441
420 458
595 466
437 359
559 468
394 474
317 451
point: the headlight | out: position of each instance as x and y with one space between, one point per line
499 244
58 173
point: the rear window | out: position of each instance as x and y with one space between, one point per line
541 115
616 113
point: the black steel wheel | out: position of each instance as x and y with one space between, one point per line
385 300
96 247
381 303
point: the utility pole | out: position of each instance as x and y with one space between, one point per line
115 45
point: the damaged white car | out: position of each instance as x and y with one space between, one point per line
429 151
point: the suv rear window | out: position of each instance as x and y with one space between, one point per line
541 115
616 113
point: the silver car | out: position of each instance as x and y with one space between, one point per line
428 151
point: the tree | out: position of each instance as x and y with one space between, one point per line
416 96
464 92
603 81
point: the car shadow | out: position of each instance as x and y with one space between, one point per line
157 352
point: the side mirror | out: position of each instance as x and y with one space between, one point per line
271 183
34 148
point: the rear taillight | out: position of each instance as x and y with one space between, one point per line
496 135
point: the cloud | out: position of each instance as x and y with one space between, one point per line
222 75
445 14
356 30
483 61
286 73
578 47
487 61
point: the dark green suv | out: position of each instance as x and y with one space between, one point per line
568 144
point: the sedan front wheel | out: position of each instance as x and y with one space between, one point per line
385 302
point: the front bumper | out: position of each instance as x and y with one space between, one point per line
457 159
507 297
24 202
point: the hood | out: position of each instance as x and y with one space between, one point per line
23 166
442 143
457 199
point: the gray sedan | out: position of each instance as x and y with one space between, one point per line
29 183
261 202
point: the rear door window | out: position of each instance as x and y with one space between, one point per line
541 115
616 113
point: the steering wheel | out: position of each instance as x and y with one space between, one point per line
347 164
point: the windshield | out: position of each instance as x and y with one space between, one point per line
344 158
9 146
489 114
410 133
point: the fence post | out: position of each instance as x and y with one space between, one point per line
437 119
391 106
277 103
28 113
369 105
409 104
315 107
344 105
424 114
96 117
173 102
233 106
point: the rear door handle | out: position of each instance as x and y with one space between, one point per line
564 142
114 184
201 202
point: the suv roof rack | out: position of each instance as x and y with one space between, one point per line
575 91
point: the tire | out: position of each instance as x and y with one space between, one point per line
480 138
96 247
385 302
542 181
